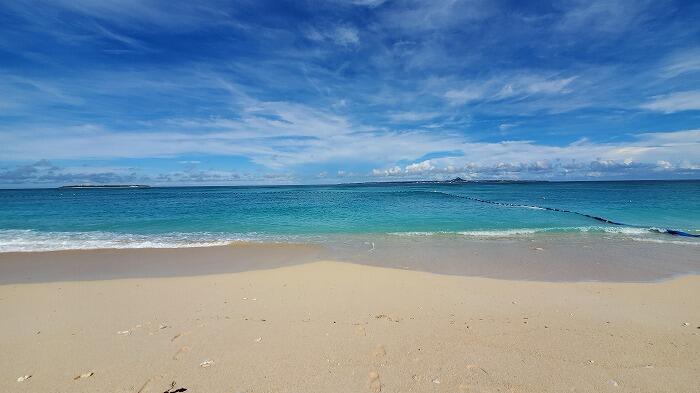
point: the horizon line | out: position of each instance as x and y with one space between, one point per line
446 182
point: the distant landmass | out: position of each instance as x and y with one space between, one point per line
104 186
455 180
460 180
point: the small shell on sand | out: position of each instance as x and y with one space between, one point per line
206 363
23 378
84 375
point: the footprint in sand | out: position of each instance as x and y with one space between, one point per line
379 351
375 385
180 352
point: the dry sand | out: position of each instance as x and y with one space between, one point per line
329 326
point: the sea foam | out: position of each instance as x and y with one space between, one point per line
30 240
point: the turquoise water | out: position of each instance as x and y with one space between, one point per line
190 216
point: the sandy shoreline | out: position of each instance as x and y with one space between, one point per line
541 258
107 264
310 326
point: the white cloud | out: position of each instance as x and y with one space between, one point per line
664 165
465 95
346 36
400 117
419 167
604 16
393 171
421 16
671 151
369 3
675 102
550 86
509 86
683 62
340 35
506 126
309 136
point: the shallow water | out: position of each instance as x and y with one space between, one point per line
52 219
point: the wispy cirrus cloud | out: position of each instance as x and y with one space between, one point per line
602 16
504 87
682 62
675 102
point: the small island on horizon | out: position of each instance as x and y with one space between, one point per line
456 180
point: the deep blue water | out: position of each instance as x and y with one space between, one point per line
80 218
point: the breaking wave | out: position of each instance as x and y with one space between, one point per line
30 240
520 232
19 240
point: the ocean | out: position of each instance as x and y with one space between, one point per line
57 219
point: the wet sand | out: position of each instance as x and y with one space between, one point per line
107 264
309 325
577 257
538 258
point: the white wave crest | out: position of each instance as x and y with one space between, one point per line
29 240
502 233
629 232
665 241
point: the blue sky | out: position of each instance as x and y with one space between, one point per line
257 92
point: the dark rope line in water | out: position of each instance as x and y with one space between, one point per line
668 231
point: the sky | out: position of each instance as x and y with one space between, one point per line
300 92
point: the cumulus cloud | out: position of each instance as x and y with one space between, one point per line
541 170
675 153
393 171
419 167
